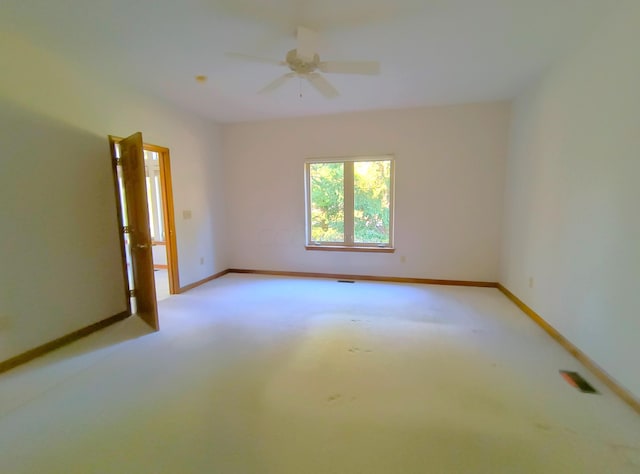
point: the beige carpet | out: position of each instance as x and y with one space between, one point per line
161 277
281 375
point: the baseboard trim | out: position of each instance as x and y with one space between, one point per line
600 373
61 341
340 276
203 281
39 351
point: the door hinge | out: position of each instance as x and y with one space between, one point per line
126 229
117 161
132 293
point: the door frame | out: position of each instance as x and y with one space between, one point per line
167 214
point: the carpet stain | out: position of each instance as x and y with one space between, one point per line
334 397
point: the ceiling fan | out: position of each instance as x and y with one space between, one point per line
304 63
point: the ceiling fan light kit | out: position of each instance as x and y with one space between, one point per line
304 62
299 65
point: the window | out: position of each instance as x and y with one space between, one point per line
350 203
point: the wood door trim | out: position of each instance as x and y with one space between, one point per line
169 217
584 359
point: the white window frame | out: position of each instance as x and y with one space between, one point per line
348 243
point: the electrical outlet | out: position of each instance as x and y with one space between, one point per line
403 259
186 214
531 282
201 260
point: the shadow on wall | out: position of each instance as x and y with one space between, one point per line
59 246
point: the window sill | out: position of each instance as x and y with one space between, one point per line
345 248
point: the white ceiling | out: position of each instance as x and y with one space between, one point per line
431 52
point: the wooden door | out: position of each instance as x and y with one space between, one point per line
132 160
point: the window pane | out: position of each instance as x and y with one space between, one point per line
372 188
327 202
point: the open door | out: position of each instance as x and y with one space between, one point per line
137 228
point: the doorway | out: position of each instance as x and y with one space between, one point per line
160 221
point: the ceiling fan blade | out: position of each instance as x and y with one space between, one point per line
307 45
255 59
370 68
322 85
277 83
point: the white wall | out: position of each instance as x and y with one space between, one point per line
572 221
60 266
449 189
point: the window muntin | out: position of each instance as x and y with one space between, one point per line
350 202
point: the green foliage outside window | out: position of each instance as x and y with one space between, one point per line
371 201
327 202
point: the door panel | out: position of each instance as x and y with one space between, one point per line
132 159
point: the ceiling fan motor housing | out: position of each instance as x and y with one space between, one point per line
299 65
